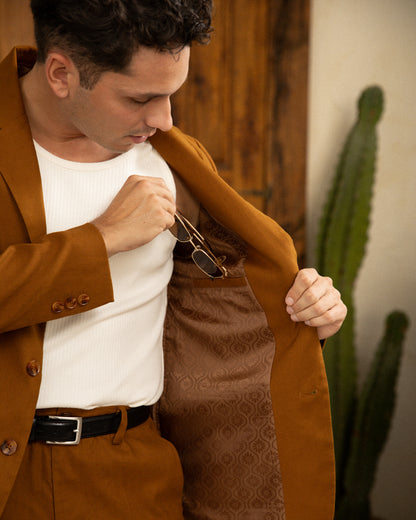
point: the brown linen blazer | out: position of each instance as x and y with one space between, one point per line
246 401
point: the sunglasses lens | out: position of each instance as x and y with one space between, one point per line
206 264
180 232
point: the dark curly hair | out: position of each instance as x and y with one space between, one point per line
103 35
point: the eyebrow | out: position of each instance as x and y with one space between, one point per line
149 95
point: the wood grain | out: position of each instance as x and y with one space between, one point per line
246 100
16 26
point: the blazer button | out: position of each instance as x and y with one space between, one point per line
9 447
33 368
71 303
58 307
83 299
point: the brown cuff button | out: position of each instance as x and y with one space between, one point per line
9 447
33 368
71 303
58 307
83 299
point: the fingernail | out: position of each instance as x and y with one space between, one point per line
290 301
293 317
308 323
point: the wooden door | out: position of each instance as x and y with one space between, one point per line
245 99
16 26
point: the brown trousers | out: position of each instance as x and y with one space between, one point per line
130 475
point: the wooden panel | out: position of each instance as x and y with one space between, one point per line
16 26
245 99
223 101
287 104
202 106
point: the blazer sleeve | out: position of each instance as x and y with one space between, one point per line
63 274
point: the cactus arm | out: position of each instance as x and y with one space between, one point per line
373 418
347 232
356 158
329 208
360 213
345 219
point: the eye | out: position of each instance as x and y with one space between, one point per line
138 101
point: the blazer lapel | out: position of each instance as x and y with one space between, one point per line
18 161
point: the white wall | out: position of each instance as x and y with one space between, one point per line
354 44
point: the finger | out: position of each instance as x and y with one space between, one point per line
319 308
322 288
319 297
304 279
149 185
331 318
325 330
138 178
170 221
154 221
309 289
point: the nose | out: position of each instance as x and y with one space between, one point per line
159 114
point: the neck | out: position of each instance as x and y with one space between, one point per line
49 125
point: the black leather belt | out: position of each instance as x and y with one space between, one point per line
68 430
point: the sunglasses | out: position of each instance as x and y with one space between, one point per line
202 254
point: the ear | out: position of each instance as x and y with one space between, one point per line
61 73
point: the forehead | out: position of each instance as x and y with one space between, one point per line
151 70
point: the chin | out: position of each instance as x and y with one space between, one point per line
119 147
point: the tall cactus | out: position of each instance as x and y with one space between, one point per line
360 425
341 248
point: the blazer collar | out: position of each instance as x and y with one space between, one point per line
18 161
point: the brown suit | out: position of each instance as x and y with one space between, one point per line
246 400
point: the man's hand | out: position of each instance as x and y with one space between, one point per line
143 208
315 301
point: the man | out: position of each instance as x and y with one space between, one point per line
96 190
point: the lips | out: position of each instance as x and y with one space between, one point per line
137 139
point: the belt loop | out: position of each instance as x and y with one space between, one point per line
119 435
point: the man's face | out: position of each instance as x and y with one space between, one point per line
123 109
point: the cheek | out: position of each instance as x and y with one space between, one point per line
121 117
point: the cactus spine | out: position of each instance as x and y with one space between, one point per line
340 250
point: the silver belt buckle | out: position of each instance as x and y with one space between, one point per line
77 430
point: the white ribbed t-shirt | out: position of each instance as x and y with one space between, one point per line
111 355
